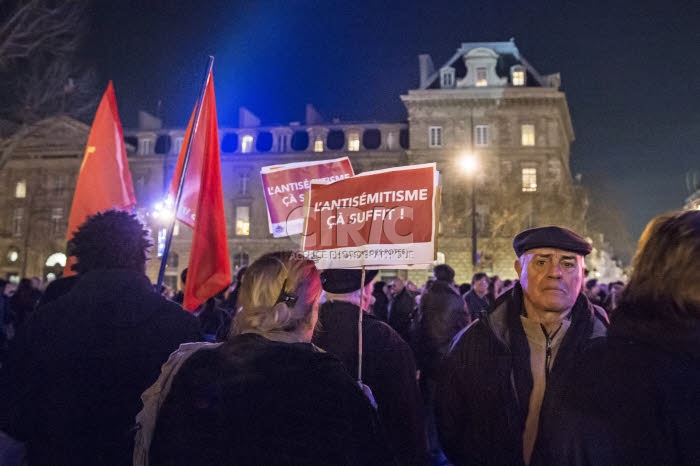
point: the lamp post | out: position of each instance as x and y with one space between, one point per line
469 166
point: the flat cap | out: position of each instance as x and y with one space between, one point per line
342 281
550 237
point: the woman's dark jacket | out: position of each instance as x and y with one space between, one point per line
256 401
635 398
484 388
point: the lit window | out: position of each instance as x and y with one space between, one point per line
481 77
435 136
56 222
527 133
481 135
353 142
247 144
21 189
162 238
145 146
318 145
243 220
12 255
56 259
17 221
518 78
529 180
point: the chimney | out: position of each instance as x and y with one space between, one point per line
425 64
246 118
312 116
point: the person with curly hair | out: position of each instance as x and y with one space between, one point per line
72 383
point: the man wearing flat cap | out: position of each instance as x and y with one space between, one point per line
388 366
500 379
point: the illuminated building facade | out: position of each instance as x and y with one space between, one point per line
486 101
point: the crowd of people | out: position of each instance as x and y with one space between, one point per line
294 365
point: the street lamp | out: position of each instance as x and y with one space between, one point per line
469 166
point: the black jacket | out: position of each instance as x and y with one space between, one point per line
634 398
73 381
485 383
254 401
388 368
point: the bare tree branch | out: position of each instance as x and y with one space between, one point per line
38 26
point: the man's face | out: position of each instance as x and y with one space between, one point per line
481 286
551 279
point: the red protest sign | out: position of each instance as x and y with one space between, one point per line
285 185
384 218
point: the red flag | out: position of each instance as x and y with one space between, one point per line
202 205
104 181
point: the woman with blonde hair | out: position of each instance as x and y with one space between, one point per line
267 395
635 397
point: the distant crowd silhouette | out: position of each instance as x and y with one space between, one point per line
291 365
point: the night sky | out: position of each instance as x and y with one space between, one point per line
630 69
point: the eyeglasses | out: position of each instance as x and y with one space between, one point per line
287 297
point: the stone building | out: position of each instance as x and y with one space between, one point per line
487 102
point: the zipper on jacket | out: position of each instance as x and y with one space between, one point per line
548 350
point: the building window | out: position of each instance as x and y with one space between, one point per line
481 135
447 77
318 145
481 77
247 144
178 144
527 133
13 255
240 259
529 180
435 136
354 142
518 77
244 179
21 189
162 238
17 221
145 146
282 143
243 221
56 221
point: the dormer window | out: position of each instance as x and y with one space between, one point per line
517 75
318 145
447 77
481 77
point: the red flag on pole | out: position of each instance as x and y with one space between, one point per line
104 181
202 205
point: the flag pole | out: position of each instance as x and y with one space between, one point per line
181 183
359 329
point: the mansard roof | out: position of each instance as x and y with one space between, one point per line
508 56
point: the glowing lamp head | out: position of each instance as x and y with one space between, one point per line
468 164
